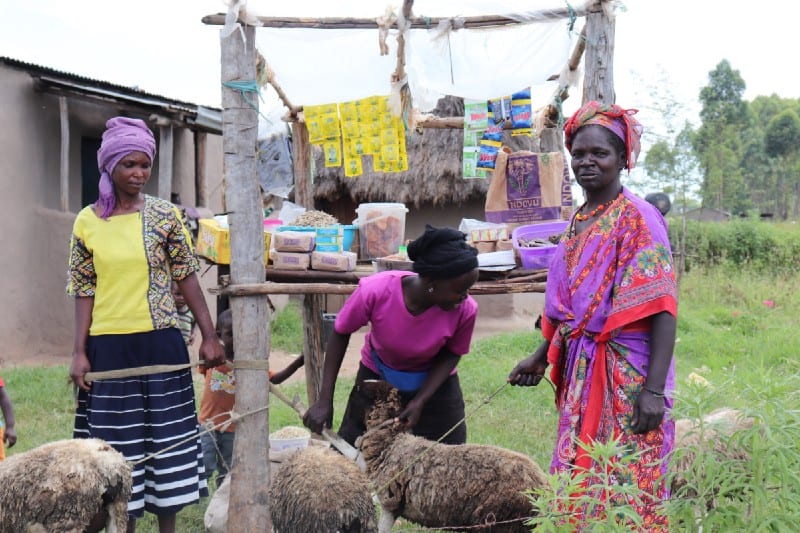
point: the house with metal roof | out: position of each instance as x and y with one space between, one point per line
52 122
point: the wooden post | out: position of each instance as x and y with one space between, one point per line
64 164
165 162
551 140
200 190
248 509
301 161
313 349
598 80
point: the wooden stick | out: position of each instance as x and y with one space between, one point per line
337 442
400 70
275 274
301 164
423 23
136 371
252 289
270 77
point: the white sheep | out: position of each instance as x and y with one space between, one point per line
62 486
444 485
319 490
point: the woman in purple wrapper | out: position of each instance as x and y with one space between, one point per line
421 324
610 318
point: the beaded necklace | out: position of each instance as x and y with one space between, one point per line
596 211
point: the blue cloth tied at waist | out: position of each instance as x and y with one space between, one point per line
401 380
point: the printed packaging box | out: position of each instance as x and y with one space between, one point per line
214 242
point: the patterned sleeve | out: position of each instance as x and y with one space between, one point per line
81 277
182 259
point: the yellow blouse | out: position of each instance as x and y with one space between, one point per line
127 263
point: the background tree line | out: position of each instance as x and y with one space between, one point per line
744 158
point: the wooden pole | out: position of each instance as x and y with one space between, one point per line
419 23
200 187
64 163
400 69
249 289
598 81
165 162
248 509
313 349
301 161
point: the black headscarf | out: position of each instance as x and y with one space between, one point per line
442 253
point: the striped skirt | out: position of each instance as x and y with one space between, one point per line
145 415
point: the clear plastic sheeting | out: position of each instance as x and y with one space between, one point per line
484 64
316 66
325 66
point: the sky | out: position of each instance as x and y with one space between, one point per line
162 47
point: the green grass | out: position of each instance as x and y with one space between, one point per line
286 329
728 332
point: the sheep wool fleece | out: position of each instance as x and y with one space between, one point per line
61 485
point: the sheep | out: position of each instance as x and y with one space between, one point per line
718 426
319 490
62 486
444 486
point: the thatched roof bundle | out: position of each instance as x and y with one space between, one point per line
434 174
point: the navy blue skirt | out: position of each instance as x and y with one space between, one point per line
144 415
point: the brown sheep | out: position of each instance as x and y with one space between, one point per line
319 490
62 486
444 485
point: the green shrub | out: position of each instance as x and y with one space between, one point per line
750 244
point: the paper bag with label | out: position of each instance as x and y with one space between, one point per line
529 187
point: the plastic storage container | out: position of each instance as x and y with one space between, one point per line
348 237
381 229
289 438
537 256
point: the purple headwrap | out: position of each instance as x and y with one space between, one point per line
122 136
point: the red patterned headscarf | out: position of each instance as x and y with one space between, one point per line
611 116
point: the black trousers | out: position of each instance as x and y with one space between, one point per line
444 409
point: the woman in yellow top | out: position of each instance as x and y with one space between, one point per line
124 253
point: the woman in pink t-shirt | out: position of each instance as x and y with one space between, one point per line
421 324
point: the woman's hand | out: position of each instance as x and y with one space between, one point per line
411 413
9 436
529 371
78 369
648 412
319 416
212 353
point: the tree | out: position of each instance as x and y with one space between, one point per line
782 142
718 142
782 137
662 118
676 168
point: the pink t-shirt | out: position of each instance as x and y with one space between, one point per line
403 341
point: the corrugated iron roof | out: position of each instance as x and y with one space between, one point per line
194 116
121 89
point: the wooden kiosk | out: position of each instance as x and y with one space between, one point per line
250 282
